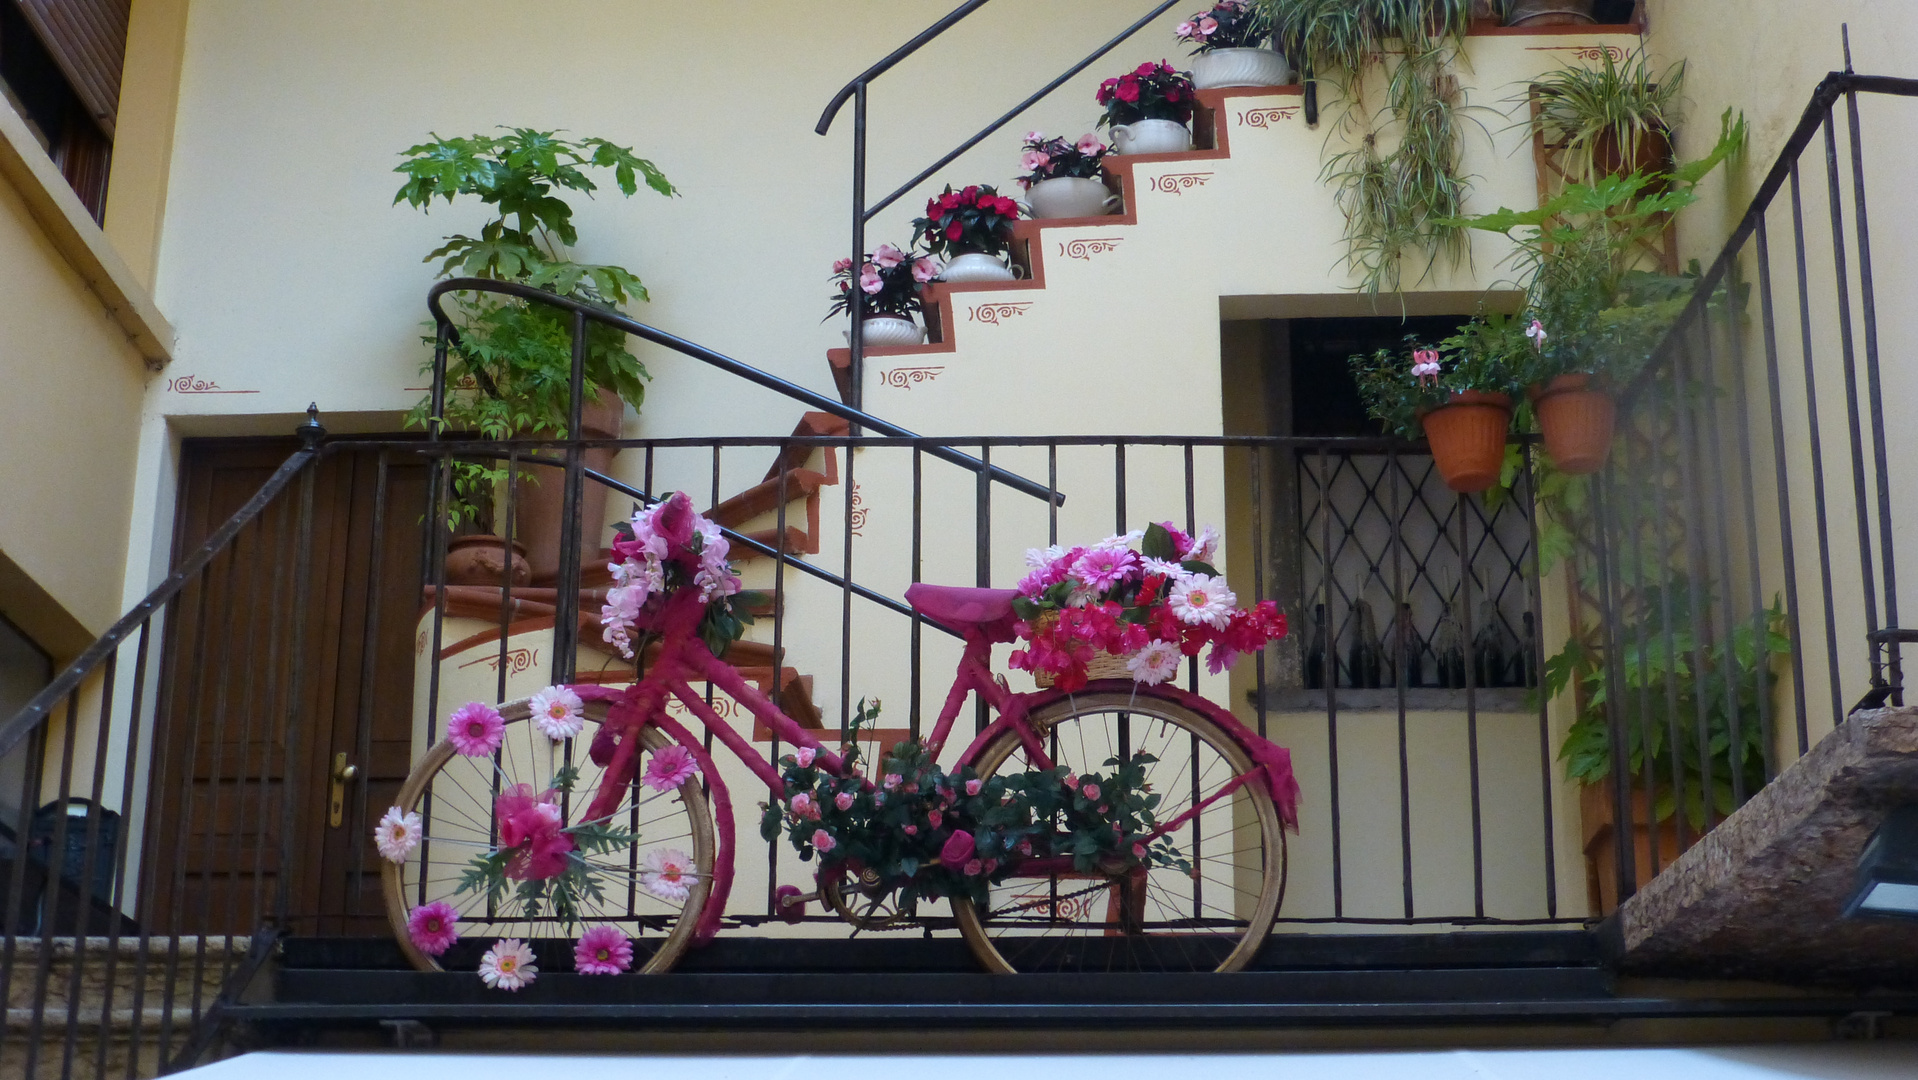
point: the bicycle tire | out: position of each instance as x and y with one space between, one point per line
1067 934
662 925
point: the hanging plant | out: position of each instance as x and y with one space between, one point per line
1405 198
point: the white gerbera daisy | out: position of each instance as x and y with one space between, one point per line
558 713
397 835
508 965
1200 598
667 873
1041 558
1155 663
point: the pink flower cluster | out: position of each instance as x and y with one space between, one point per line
1425 366
1120 601
533 828
1229 24
1047 158
662 540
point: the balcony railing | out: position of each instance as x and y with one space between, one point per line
197 790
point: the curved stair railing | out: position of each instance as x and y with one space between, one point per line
856 92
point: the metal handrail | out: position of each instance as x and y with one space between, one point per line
722 362
16 727
855 91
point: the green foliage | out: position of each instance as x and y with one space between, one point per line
510 373
1488 354
1606 110
1408 197
1096 818
1578 258
1665 674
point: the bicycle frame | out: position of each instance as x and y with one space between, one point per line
684 659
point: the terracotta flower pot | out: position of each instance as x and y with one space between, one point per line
1576 418
1600 833
1467 435
482 560
539 497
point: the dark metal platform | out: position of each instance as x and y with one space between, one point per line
772 984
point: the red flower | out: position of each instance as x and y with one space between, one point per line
986 202
1149 68
1150 590
970 193
1128 89
1165 68
1007 207
1172 94
954 231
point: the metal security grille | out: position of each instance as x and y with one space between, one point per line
1403 579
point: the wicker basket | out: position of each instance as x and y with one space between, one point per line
1103 665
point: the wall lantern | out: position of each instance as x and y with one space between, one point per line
1888 870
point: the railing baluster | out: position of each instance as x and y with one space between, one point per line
1781 465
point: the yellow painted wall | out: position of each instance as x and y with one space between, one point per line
71 414
1767 67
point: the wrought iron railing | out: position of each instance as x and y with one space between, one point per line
1743 578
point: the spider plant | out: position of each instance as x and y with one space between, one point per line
1404 199
1607 111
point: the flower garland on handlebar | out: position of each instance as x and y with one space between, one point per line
667 547
933 834
1154 606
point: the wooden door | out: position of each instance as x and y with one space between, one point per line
249 729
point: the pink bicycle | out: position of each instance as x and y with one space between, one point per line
591 806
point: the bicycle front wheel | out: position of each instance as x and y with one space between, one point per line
1158 918
651 882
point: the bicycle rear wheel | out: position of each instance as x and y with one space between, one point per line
1157 918
652 887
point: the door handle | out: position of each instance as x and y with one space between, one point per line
336 805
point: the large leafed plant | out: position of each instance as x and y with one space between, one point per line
510 373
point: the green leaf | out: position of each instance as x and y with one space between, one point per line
1157 544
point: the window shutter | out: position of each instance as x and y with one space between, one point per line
88 39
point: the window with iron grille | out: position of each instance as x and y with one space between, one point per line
1395 576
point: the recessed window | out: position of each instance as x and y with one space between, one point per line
60 66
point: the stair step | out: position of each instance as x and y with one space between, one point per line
811 425
764 497
794 541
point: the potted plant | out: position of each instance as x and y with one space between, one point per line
510 374
1457 395
1062 178
1598 314
889 283
968 229
1657 685
1548 12
1149 109
1228 47
1612 119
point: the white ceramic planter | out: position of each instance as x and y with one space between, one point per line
1240 67
977 266
1152 137
887 331
1071 197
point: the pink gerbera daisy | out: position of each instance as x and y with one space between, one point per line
509 965
670 767
475 729
558 713
1103 567
397 834
603 950
667 873
433 927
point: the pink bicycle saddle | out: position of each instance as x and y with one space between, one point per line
960 609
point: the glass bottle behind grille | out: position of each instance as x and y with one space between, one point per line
1404 652
1363 659
1491 648
1448 646
1314 663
